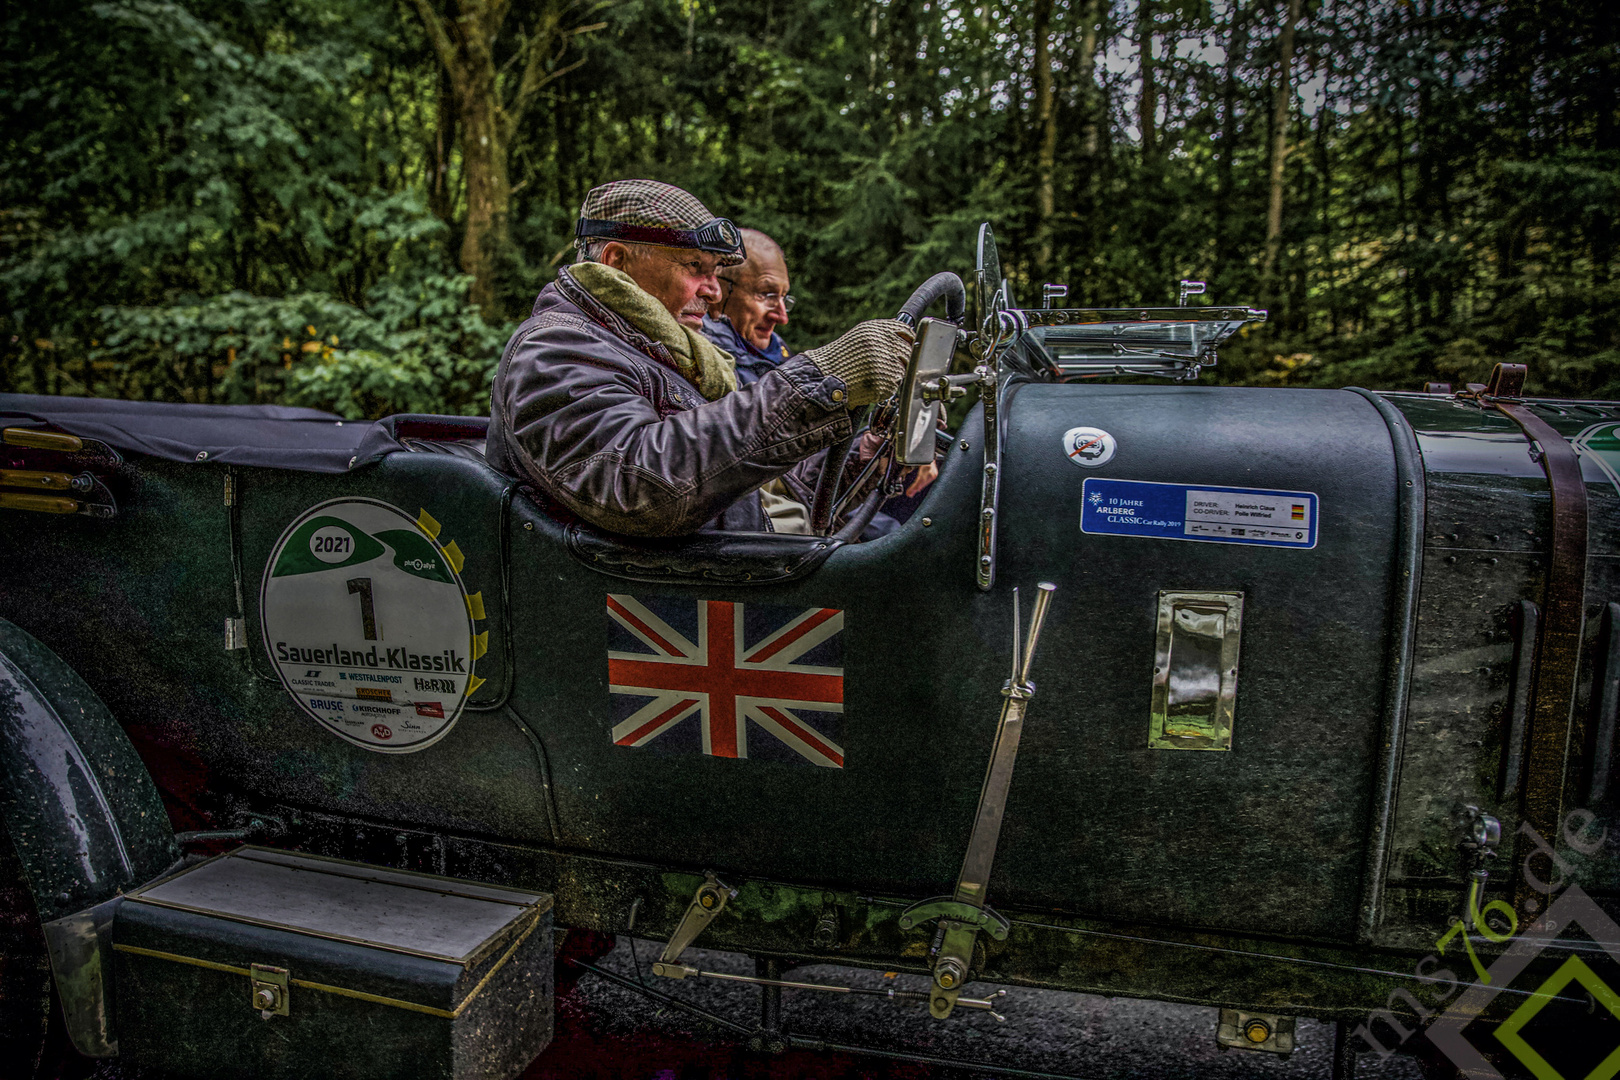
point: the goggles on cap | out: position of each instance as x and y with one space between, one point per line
719 236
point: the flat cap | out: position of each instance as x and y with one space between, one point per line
650 212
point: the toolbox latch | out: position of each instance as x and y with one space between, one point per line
269 989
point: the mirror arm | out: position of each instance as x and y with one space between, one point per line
994 377
949 387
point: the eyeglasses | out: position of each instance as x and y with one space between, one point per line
769 299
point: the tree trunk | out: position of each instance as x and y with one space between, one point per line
1237 48
489 196
1281 107
1085 75
1324 170
1147 106
1402 215
1605 26
440 200
1046 154
464 39
1087 100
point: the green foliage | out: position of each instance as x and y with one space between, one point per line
177 234
188 186
417 346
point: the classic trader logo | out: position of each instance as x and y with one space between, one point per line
1560 1026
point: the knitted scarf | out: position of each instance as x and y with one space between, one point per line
710 369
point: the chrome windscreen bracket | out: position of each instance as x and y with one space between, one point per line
992 383
990 492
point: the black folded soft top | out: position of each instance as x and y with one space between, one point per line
273 436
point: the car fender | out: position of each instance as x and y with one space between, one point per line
85 818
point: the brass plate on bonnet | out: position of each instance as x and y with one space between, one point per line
1195 668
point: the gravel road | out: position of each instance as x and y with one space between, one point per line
607 1031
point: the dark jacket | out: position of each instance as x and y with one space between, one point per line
593 413
752 364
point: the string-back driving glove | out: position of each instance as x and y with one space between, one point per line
870 357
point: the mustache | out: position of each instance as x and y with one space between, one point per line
696 307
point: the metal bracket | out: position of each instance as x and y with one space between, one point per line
1481 833
269 988
947 387
235 634
93 497
944 907
1256 1031
987 1004
990 493
709 901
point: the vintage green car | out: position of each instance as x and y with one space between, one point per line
1320 718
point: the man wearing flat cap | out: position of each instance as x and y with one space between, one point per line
611 401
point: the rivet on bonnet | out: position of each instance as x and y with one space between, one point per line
649 212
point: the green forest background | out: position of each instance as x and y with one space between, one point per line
348 204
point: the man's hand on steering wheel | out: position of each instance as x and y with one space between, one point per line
870 357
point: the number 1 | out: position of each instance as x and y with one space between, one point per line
368 614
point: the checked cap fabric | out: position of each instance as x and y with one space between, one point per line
649 203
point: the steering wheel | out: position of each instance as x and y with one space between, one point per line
942 286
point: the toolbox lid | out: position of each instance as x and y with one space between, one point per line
417 914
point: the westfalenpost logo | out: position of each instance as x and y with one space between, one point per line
1562 1024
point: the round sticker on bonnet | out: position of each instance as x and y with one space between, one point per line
367 624
1089 447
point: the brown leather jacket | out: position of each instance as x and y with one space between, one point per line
593 413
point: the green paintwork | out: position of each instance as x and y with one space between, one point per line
416 556
296 558
83 816
1232 879
1485 549
1602 443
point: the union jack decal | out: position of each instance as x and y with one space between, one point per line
741 669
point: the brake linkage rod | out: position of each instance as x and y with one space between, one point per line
808 1043
987 1004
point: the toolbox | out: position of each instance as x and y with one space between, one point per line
265 963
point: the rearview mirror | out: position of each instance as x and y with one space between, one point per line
926 388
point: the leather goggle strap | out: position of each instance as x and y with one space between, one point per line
719 236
